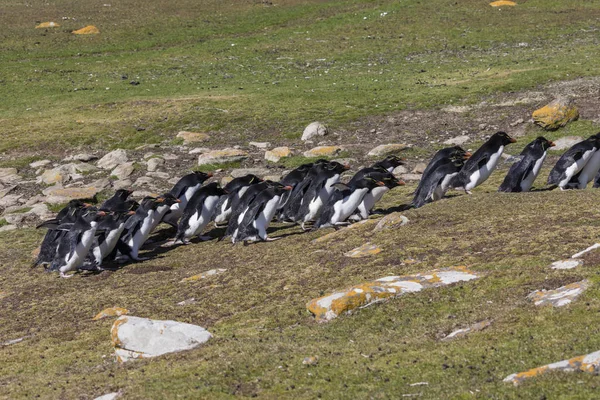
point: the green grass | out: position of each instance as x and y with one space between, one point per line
247 70
215 166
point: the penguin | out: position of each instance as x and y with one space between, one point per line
375 194
440 157
293 198
389 163
198 212
140 225
258 215
573 161
108 232
235 190
68 214
75 245
116 201
314 192
239 207
183 190
482 163
434 185
344 201
588 172
521 175
292 179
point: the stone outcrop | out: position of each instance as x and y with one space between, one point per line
556 114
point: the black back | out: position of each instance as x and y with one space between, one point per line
189 180
195 204
572 155
521 169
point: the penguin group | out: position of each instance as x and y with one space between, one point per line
85 237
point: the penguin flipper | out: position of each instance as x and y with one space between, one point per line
74 239
482 161
50 224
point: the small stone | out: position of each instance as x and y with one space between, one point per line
517 122
314 129
109 396
419 168
458 140
148 155
8 175
160 175
399 170
225 180
559 297
40 163
312 360
186 302
411 177
122 184
277 154
111 312
566 142
239 172
192 137
84 157
365 250
465 331
199 150
260 145
170 156
143 180
123 170
274 178
49 24
204 275
7 228
386 149
323 151
222 156
88 30
566 264
556 114
501 3
135 337
112 159
154 163
390 221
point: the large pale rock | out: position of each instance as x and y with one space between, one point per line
85 157
239 172
331 306
559 297
277 154
365 250
323 151
154 163
123 171
109 396
222 156
566 264
112 159
8 175
566 142
192 137
65 173
40 163
386 149
586 363
390 221
10 200
135 337
314 129
60 195
458 140
582 252
556 114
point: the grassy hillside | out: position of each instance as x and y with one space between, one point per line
375 72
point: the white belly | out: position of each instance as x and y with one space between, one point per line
81 251
106 247
177 208
316 205
479 176
527 181
201 218
574 168
264 218
442 188
345 207
590 170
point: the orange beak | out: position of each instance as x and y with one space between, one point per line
346 166
467 155
130 212
552 144
288 188
401 182
513 140
379 183
210 174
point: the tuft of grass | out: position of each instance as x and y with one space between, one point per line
216 166
3 222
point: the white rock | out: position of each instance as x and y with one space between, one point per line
239 172
160 175
109 396
314 129
135 337
10 200
260 145
112 159
566 142
199 150
458 140
123 170
122 184
40 163
154 163
7 228
399 170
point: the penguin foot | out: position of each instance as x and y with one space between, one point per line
468 192
220 226
63 275
268 239
204 238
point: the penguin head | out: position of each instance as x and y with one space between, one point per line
213 189
544 143
336 167
388 179
458 151
166 199
202 176
278 188
503 138
251 179
390 162
123 193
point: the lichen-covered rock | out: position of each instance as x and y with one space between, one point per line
239 172
135 337
559 297
123 171
365 250
386 149
323 151
9 175
222 156
277 154
192 137
342 232
204 275
458 140
49 24
112 159
501 3
556 114
154 163
331 306
566 264
88 30
586 363
111 312
479 326
60 195
390 221
314 129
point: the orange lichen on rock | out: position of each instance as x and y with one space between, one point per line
331 306
204 275
556 114
586 363
88 30
47 25
365 250
114 331
501 3
323 151
111 312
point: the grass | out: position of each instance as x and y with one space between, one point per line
249 70
256 310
